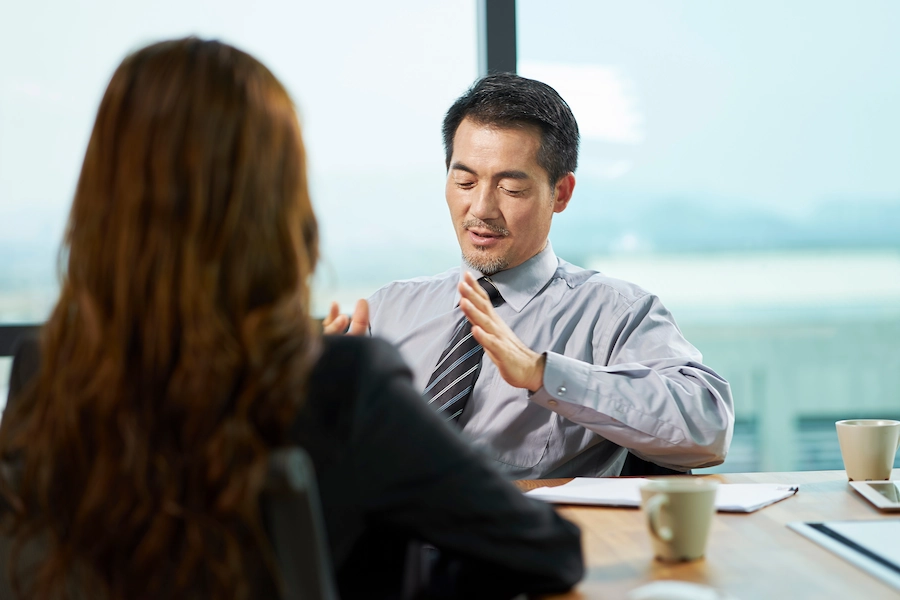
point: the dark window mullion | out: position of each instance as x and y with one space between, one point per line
496 36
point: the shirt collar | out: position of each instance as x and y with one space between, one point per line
522 283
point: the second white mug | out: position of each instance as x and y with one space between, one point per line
868 447
679 515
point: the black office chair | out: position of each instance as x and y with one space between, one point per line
636 466
292 517
10 335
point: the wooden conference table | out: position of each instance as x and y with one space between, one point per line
750 556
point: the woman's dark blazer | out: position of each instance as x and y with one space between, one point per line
390 471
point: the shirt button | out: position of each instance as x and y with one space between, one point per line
552 402
561 390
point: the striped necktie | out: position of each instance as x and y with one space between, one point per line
454 375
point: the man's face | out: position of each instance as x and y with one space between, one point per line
500 198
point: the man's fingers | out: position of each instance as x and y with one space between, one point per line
471 289
501 352
336 323
359 324
478 299
518 365
490 342
361 311
333 313
336 326
476 315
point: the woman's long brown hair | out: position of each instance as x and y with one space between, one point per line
179 348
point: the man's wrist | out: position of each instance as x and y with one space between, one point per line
538 379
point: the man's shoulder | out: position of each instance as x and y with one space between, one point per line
588 281
416 285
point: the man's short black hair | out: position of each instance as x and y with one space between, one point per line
507 100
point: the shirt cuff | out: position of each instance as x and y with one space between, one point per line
565 382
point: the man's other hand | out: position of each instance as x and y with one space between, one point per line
336 323
518 364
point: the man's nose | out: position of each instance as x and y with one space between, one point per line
484 205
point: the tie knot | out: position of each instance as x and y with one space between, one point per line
492 291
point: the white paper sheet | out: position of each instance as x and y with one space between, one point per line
626 491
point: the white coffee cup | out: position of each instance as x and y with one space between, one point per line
868 447
679 514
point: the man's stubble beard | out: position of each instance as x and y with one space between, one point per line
478 258
484 263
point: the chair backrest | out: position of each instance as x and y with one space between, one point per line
10 335
293 517
636 466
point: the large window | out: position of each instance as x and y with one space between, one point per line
371 81
738 159
741 161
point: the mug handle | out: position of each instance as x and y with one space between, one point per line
654 506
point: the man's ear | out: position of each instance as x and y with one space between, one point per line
563 188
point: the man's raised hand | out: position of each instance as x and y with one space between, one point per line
518 364
337 323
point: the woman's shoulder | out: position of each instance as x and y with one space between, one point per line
347 359
346 379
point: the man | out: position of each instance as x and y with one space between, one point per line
577 366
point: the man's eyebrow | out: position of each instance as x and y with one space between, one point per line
512 175
519 175
458 166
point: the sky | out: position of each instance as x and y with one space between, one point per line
371 82
770 103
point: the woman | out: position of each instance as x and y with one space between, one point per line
181 352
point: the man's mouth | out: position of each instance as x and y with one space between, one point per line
484 237
483 234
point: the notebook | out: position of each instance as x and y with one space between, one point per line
873 545
626 491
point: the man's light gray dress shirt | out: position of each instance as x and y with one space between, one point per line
619 373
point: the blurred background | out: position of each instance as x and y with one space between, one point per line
740 160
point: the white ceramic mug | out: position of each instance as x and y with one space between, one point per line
679 514
868 447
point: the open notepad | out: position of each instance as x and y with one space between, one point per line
626 491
